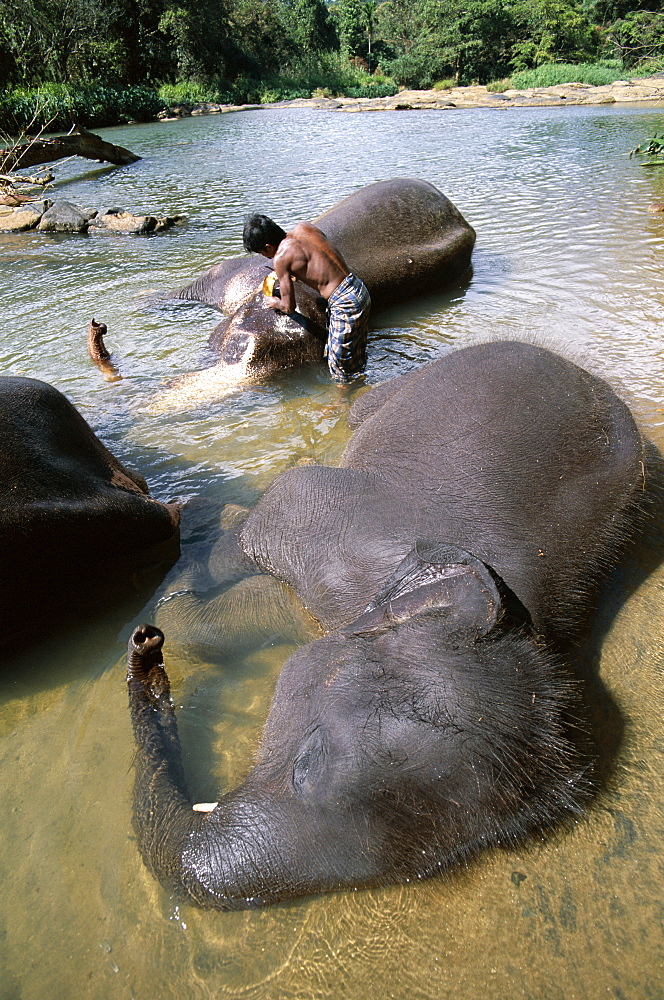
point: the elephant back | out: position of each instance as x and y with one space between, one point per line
402 237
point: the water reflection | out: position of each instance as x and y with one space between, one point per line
566 251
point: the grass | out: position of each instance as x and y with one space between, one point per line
499 86
445 84
329 74
56 106
554 74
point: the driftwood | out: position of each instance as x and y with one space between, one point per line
79 143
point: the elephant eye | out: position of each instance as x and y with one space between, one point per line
307 767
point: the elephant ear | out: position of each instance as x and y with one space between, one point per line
439 579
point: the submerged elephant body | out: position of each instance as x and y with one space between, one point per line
70 513
476 508
402 237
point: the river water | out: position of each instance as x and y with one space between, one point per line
566 253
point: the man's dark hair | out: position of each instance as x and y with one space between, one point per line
259 230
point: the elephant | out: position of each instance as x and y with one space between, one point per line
452 561
71 515
402 237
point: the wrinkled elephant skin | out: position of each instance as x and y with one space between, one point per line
71 516
451 559
402 237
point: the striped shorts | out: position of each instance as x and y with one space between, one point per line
348 321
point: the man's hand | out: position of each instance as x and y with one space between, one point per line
275 303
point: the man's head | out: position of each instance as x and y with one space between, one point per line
261 235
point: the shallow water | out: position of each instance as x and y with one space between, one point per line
566 252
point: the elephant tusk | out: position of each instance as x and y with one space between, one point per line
204 807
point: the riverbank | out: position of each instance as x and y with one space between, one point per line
646 90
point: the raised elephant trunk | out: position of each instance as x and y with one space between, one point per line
160 783
99 352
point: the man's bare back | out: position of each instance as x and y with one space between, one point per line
305 254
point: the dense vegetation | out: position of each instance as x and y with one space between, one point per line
103 60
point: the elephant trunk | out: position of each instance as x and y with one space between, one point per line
163 815
259 845
98 351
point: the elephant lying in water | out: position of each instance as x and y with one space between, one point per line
401 236
71 515
449 558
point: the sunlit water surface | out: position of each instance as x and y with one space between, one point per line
566 251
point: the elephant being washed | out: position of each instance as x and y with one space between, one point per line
449 559
72 518
402 237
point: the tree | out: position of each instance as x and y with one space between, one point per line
448 38
51 39
198 33
310 25
477 35
355 20
553 31
638 36
264 46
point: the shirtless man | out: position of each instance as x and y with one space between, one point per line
306 254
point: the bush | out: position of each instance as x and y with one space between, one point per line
417 70
56 106
499 86
325 73
187 92
444 84
328 73
371 88
648 67
554 74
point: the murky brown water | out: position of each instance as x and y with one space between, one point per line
566 251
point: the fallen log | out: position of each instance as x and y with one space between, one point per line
78 143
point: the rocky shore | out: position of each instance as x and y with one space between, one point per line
649 89
66 217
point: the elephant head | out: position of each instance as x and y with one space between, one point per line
431 727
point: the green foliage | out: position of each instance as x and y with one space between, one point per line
187 92
198 35
351 25
442 38
638 36
419 69
554 74
264 50
356 26
330 72
648 67
310 25
552 31
43 39
652 147
57 106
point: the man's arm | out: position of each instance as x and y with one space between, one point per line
286 303
289 259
